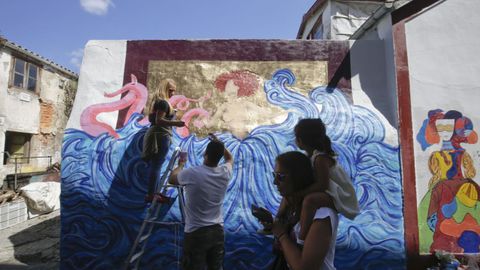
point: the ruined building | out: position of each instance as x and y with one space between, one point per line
36 95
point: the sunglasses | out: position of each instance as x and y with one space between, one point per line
280 176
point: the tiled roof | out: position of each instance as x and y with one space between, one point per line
49 63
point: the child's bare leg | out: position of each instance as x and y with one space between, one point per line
311 203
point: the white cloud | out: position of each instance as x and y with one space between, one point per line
97 7
76 58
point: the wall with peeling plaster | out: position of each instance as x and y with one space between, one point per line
41 114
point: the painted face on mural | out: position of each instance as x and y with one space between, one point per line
445 128
231 89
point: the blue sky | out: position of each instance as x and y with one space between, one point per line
59 29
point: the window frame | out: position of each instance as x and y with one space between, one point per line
27 144
26 75
316 26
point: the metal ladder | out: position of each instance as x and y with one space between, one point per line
138 248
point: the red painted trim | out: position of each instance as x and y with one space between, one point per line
406 145
411 9
399 17
139 53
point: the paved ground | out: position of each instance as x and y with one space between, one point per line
33 244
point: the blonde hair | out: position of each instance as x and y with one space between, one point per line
161 92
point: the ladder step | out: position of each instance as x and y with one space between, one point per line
136 256
144 237
166 222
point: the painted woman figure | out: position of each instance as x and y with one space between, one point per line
453 214
157 140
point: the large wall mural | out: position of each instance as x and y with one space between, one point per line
449 214
252 106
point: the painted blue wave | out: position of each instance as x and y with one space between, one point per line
104 181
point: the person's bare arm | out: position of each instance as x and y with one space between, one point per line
173 178
227 156
315 247
161 121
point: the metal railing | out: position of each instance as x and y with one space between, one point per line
17 158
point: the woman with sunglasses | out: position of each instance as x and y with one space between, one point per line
292 174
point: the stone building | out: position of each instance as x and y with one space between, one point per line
35 101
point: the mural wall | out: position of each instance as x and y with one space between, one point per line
445 120
449 213
251 94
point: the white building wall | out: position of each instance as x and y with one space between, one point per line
20 111
444 69
4 71
347 17
95 80
369 83
385 99
311 22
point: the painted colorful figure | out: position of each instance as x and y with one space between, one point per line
453 214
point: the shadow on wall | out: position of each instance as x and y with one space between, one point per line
367 60
125 204
37 247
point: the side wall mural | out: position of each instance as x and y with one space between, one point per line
449 212
251 94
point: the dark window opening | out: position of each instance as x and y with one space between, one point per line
317 29
18 146
25 75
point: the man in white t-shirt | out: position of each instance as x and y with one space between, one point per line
205 188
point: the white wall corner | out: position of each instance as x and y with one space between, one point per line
101 71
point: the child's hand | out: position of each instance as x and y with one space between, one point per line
279 228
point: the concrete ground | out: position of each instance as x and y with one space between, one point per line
33 244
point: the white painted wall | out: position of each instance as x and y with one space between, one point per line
19 107
23 111
4 71
101 71
347 16
385 100
444 66
370 87
340 19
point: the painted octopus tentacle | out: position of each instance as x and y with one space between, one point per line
182 103
135 100
199 113
141 95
